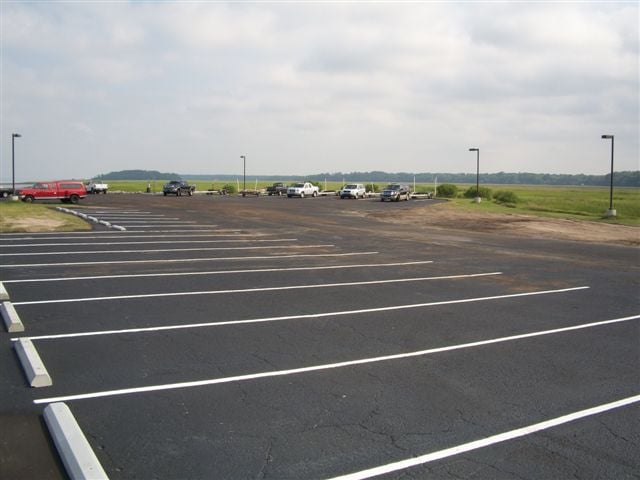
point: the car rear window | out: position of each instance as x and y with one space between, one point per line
71 185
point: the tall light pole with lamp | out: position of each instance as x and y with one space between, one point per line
478 199
611 212
13 162
244 174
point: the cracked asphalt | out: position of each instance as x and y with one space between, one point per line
268 327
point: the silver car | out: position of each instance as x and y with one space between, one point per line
353 190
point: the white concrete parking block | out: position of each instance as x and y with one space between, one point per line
11 318
34 369
4 295
77 456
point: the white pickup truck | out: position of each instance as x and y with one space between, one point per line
95 187
302 190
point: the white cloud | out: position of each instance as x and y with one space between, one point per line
310 87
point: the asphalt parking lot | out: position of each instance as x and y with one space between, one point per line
275 338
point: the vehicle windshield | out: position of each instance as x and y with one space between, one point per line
40 185
298 185
351 187
392 187
174 182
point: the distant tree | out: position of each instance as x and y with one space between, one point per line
140 175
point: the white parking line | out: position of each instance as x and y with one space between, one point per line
157 242
485 442
329 366
132 215
14 236
109 235
158 222
161 250
221 272
191 260
294 317
253 290
177 229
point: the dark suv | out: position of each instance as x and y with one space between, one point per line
395 192
177 187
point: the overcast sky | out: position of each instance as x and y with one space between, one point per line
302 88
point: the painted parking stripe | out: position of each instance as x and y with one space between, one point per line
157 242
296 317
253 290
315 368
162 250
109 235
135 216
222 272
485 442
189 260
178 228
13 236
158 222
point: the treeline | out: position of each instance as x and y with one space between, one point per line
138 175
620 179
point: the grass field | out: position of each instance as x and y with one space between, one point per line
25 217
585 203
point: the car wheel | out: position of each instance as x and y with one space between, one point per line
315 194
28 199
301 194
190 193
74 199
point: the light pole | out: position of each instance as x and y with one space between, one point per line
13 162
478 199
611 212
244 174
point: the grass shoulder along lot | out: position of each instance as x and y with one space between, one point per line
575 203
23 217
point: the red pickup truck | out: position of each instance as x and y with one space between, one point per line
67 191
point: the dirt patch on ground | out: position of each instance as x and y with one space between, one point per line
446 216
36 224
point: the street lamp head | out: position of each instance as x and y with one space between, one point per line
607 136
474 149
16 135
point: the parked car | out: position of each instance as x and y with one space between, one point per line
67 191
302 190
395 192
5 191
96 187
178 188
277 188
353 190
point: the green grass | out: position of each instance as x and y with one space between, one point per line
583 203
24 217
